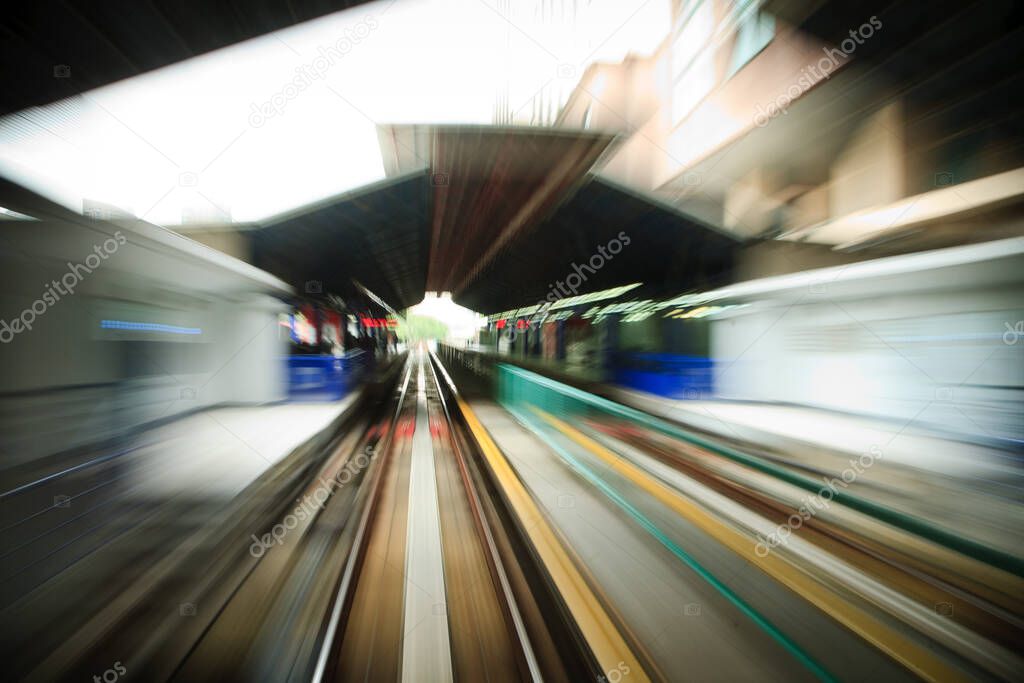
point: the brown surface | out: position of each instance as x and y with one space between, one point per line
371 648
483 649
490 185
558 648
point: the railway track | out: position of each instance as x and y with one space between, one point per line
446 584
938 613
387 552
406 545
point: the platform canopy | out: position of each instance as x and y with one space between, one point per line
375 236
496 216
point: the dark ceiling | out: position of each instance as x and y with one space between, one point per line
380 237
495 215
666 251
376 236
102 41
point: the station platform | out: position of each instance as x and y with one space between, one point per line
679 615
963 485
222 450
77 534
970 488
842 434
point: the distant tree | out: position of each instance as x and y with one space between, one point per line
416 328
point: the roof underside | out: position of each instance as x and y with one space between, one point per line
381 238
103 42
386 238
489 186
659 247
377 237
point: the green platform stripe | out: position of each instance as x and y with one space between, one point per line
763 622
516 385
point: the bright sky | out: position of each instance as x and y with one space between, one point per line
196 136
462 323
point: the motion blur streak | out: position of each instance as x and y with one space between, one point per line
916 658
597 627
494 340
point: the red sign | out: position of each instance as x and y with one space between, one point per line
379 322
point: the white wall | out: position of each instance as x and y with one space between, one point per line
897 349
67 382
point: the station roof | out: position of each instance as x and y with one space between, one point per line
658 246
496 216
152 251
514 212
376 235
489 186
394 236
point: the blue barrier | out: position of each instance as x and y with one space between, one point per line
665 374
324 378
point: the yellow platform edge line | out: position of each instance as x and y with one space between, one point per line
605 641
910 654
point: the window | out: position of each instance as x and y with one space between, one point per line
755 31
